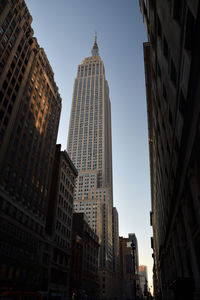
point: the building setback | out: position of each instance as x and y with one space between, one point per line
59 222
90 148
30 107
172 74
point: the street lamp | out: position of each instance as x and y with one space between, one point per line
133 247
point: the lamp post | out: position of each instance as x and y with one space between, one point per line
133 247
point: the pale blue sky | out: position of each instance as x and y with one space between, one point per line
65 29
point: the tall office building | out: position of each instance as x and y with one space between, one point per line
172 71
89 146
30 107
59 222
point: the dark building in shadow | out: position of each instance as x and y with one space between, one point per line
172 71
129 260
59 222
84 281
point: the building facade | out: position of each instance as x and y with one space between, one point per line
59 222
143 278
116 256
116 266
132 237
172 74
84 282
126 269
89 146
30 107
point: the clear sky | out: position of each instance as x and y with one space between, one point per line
65 29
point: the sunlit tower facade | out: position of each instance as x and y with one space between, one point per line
30 107
89 146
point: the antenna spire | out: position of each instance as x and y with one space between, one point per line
95 49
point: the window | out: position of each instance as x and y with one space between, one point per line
19 63
170 118
5 23
159 31
1 30
13 23
182 104
9 16
164 93
190 29
16 73
1 114
10 45
13 97
165 48
158 70
177 10
5 84
173 74
13 37
2 46
5 38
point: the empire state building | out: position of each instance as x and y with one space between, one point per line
90 148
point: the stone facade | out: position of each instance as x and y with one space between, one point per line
90 148
30 107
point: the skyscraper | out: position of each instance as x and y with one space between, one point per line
172 74
30 107
89 146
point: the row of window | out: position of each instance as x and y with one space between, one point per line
63 230
24 219
63 216
62 242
